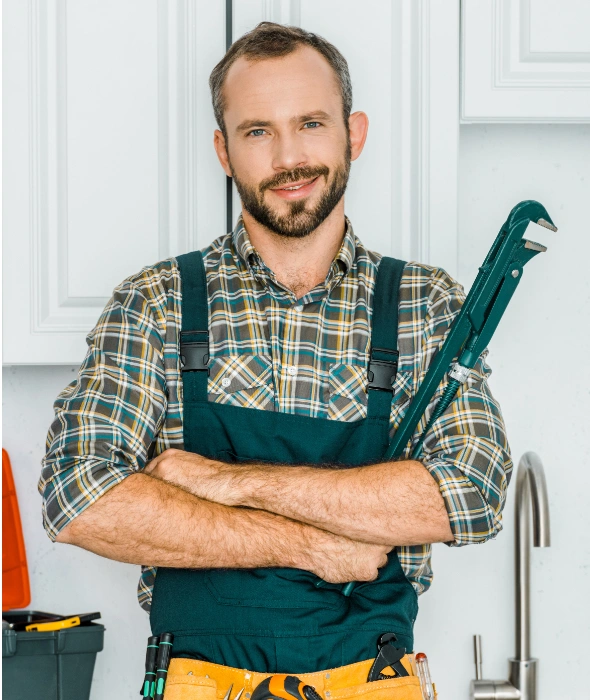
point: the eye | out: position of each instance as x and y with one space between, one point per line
253 131
318 123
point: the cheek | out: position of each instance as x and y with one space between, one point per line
251 162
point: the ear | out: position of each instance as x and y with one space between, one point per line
221 150
358 125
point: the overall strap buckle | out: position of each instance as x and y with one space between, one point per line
382 369
194 351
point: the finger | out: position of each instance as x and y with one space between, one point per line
152 464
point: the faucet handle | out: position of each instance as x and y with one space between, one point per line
477 654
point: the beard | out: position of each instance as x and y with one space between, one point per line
300 220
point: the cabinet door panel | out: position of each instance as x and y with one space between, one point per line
110 141
525 61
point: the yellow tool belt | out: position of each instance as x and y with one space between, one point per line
189 679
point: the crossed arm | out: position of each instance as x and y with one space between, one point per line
391 503
185 511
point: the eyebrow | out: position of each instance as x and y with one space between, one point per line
251 123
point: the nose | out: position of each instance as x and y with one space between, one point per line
289 153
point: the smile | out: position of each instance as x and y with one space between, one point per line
296 191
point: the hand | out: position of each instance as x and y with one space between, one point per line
338 559
201 476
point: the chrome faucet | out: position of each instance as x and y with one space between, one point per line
531 489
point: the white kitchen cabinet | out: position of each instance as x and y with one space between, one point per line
109 160
525 61
108 157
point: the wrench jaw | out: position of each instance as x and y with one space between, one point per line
528 213
545 224
536 247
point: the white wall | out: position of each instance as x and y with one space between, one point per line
542 378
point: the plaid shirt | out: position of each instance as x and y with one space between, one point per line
271 351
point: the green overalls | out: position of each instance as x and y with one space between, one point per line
277 620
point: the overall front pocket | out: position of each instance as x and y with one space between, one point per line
278 588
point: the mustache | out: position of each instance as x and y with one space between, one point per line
285 179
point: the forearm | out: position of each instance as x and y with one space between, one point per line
144 520
396 503
393 503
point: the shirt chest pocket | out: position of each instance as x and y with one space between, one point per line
242 380
347 392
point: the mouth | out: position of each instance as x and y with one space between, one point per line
296 190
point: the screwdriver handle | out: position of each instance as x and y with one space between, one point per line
162 663
346 591
149 681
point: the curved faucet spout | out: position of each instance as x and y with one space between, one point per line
531 490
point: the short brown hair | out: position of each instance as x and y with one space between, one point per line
271 40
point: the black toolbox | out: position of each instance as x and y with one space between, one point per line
56 665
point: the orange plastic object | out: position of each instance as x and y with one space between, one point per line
16 592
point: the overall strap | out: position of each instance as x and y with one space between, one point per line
194 335
383 358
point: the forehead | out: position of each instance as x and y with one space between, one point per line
281 87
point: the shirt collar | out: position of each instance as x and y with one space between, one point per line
243 246
340 266
249 254
347 253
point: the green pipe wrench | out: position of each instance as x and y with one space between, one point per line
473 328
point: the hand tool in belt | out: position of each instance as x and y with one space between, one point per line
162 663
228 694
283 687
387 656
148 688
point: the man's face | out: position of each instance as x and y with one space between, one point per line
285 125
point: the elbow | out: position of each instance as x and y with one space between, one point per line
474 527
66 535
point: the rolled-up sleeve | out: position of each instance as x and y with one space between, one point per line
105 420
466 450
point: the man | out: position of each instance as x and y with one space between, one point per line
215 385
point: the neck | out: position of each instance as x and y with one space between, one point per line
300 264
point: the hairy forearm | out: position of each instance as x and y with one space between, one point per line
144 520
396 503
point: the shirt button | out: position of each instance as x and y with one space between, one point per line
292 370
298 309
225 382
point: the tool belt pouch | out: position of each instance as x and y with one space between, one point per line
182 686
187 687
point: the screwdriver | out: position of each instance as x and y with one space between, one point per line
149 682
162 663
424 676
